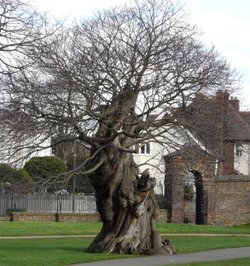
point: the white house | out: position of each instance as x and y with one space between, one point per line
150 154
236 145
18 152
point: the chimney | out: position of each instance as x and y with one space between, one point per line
222 101
222 116
222 95
234 101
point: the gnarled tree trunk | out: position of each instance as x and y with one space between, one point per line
127 205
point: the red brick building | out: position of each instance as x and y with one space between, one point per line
220 171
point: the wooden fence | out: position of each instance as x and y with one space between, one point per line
53 203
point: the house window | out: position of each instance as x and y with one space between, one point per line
143 148
238 149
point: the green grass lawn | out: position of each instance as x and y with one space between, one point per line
64 228
49 252
194 244
234 262
166 228
48 228
66 251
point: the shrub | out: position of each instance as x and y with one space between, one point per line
46 170
6 172
189 192
13 180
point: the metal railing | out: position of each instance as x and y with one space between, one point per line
54 203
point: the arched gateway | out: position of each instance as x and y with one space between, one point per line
189 187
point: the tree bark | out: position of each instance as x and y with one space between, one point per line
127 206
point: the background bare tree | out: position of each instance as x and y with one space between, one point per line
21 29
99 82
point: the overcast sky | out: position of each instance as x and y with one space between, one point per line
225 24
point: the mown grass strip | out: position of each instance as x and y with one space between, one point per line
52 252
65 251
233 262
87 228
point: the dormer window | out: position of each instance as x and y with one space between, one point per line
238 149
143 148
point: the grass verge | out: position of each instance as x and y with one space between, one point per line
168 228
64 251
233 262
48 228
64 228
52 252
55 252
195 244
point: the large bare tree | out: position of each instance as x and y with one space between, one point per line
99 82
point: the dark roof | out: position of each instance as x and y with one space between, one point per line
246 116
238 125
216 119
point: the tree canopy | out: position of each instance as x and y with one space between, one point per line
13 180
114 70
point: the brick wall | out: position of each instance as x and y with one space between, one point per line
52 217
232 200
67 217
176 201
86 217
31 217
228 163
227 196
176 171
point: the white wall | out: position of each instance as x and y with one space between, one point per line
17 154
169 140
242 163
155 162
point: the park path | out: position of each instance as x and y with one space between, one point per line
163 260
